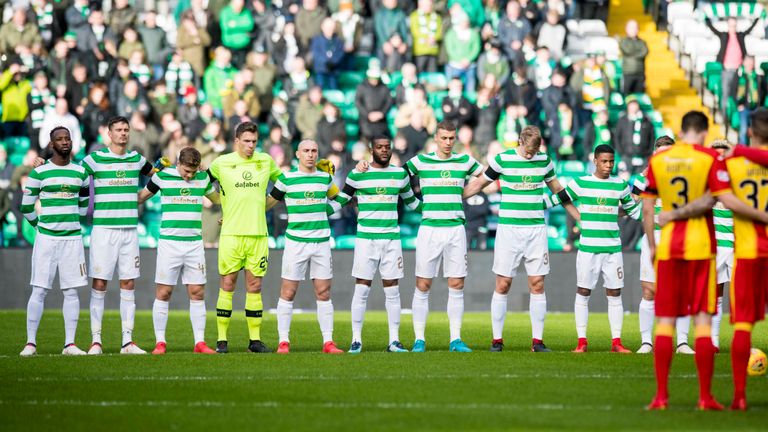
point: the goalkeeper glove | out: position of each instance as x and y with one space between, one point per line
161 163
326 166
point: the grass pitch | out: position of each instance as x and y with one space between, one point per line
375 390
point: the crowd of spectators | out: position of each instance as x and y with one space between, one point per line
186 72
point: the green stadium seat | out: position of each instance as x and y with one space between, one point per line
349 96
394 79
16 159
490 243
433 80
571 168
264 130
436 100
350 113
17 145
345 242
280 242
353 130
361 63
336 97
350 80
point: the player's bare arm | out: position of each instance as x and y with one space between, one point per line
144 195
557 189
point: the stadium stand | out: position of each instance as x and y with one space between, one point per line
165 70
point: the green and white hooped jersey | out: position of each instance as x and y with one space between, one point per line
63 193
723 219
307 204
599 201
181 203
116 184
377 191
639 187
523 184
442 182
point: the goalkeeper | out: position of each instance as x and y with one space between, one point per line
243 176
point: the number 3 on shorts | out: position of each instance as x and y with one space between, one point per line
546 258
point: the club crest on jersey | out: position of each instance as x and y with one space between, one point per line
185 192
247 176
381 190
309 194
445 174
120 173
527 179
65 188
601 201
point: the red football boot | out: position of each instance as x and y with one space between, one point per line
582 346
202 348
739 404
658 404
284 348
331 348
159 349
617 347
709 405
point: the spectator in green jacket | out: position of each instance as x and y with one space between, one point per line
15 87
427 32
633 52
236 24
493 62
17 32
216 78
462 44
309 19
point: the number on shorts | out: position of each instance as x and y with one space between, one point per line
683 193
546 258
263 263
82 269
136 262
400 263
620 273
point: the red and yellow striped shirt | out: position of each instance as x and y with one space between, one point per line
750 184
679 175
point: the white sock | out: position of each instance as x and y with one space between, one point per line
325 319
392 295
284 315
71 311
581 311
716 320
646 314
498 313
359 301
420 310
127 314
682 326
615 316
455 312
160 319
35 307
197 316
97 312
537 305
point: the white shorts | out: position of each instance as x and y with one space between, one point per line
384 255
647 271
724 265
513 243
65 254
446 244
185 257
297 256
111 247
589 266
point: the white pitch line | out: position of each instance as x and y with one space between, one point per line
341 378
326 405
